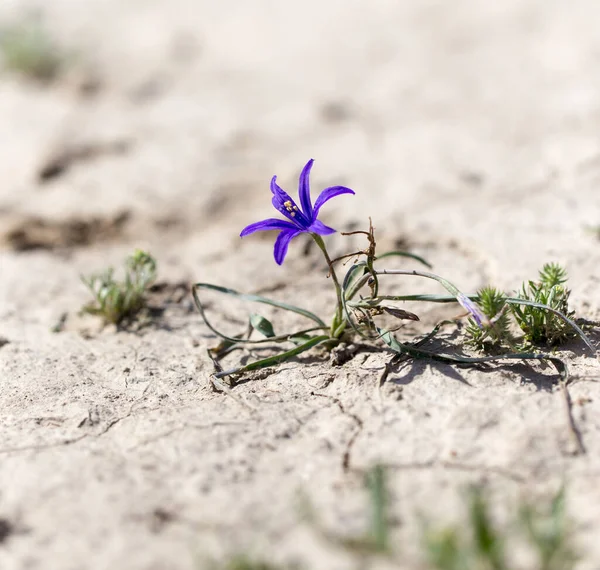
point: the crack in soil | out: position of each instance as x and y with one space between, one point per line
346 456
73 440
456 466
181 427
573 428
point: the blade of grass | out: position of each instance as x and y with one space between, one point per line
277 359
570 322
377 486
452 289
405 254
256 299
452 299
401 348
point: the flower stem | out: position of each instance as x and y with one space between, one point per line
338 324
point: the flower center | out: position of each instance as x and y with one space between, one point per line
291 208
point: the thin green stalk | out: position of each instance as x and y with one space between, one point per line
338 324
356 286
444 282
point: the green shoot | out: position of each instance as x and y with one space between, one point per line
116 300
27 48
378 498
548 534
445 550
488 544
479 544
476 545
493 304
242 562
553 274
538 325
375 541
594 230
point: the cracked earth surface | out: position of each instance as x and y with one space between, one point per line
470 134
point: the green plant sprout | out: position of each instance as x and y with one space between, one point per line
116 301
593 230
379 531
541 308
548 531
27 48
494 307
539 326
375 541
543 531
474 545
242 562
481 544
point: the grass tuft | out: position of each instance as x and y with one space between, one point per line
27 48
379 531
480 544
493 304
541 327
115 301
548 531
243 562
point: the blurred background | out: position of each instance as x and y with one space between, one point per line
451 118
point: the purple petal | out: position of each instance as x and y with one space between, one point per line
283 203
282 242
269 224
279 192
478 316
320 228
328 194
304 189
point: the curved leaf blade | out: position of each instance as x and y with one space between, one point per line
259 299
276 359
405 254
411 350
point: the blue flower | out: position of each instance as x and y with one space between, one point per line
301 220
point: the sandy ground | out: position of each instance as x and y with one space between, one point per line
469 131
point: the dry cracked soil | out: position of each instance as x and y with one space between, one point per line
470 133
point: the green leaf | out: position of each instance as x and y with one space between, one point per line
379 495
351 279
405 254
452 289
487 541
299 338
256 299
277 359
413 350
572 324
515 301
262 325
427 297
